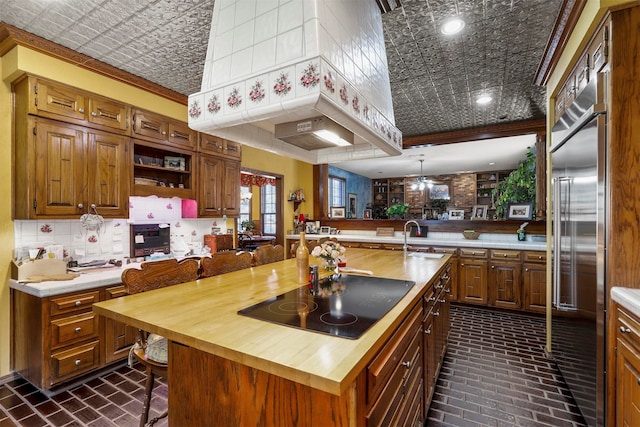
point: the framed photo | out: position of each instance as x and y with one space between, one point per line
353 205
177 163
439 191
479 212
325 230
367 214
427 213
338 212
519 211
456 214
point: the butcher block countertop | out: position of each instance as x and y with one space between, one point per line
203 315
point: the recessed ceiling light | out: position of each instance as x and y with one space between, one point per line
452 26
484 99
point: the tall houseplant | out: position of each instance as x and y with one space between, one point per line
518 187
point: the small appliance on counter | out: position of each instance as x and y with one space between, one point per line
147 239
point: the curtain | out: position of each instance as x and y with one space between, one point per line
247 180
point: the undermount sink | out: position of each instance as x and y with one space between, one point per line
424 255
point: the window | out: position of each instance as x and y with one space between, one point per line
268 208
337 192
245 207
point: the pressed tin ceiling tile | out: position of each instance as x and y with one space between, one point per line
434 79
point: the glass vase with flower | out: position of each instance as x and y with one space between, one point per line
331 253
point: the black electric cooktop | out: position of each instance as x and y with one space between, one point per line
345 306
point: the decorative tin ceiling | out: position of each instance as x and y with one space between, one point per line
435 79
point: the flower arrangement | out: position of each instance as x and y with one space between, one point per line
330 251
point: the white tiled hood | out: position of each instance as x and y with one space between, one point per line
280 61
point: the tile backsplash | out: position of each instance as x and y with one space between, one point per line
112 241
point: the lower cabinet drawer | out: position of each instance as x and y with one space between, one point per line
392 354
75 361
397 398
73 329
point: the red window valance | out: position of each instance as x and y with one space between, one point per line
247 180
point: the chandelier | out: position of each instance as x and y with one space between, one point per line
422 182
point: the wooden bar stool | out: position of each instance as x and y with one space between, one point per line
155 275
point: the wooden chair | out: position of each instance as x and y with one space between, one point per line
266 254
150 276
224 262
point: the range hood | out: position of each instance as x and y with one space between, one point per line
277 72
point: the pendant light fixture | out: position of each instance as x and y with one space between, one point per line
422 182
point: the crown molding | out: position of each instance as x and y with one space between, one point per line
11 37
570 11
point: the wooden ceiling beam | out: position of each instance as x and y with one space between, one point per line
524 127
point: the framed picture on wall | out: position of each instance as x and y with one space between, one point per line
439 191
367 214
479 212
519 211
353 205
456 214
338 212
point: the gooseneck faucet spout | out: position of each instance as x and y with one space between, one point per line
404 247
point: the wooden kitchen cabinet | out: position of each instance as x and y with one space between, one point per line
157 128
210 144
219 242
56 338
504 277
118 336
472 276
219 187
59 338
534 281
62 169
627 381
61 102
394 377
436 326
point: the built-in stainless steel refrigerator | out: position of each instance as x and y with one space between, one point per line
579 227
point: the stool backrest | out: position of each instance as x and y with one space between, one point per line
224 262
159 274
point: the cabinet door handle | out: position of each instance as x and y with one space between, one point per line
428 331
164 132
78 362
624 330
443 300
81 110
539 256
493 266
80 206
437 313
93 113
406 364
78 303
526 269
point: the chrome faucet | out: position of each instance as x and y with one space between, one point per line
404 247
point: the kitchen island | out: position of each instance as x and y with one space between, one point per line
228 369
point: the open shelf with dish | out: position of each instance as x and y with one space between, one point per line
157 171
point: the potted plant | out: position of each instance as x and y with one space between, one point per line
397 210
440 205
518 187
248 225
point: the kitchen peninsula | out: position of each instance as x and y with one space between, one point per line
238 370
